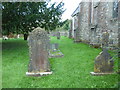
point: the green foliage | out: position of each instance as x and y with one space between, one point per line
71 71
65 25
21 17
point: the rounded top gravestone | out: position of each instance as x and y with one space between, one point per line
39 35
38 50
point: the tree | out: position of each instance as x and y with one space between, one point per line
22 17
66 25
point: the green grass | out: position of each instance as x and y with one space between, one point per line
71 71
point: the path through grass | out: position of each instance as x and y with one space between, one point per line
71 71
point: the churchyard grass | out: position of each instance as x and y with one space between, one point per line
71 71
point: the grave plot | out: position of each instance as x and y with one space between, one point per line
38 50
54 51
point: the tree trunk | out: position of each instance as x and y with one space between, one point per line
48 32
25 36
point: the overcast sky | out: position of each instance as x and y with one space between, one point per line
70 6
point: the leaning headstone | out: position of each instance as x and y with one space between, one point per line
58 35
103 62
54 51
38 50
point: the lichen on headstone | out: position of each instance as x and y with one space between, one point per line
58 35
38 50
104 62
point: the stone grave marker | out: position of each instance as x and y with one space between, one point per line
54 51
58 35
103 62
38 51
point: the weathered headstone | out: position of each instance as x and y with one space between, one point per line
65 34
5 38
38 50
103 62
58 35
70 30
54 51
76 35
54 46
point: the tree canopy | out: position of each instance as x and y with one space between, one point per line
66 25
22 17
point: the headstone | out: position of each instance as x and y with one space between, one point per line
54 46
18 36
119 33
58 35
5 38
65 34
54 51
105 39
38 50
103 62
70 30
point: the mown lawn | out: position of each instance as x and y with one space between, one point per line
71 71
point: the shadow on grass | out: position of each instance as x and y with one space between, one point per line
13 44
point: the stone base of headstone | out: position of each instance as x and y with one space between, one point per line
100 74
38 74
54 54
